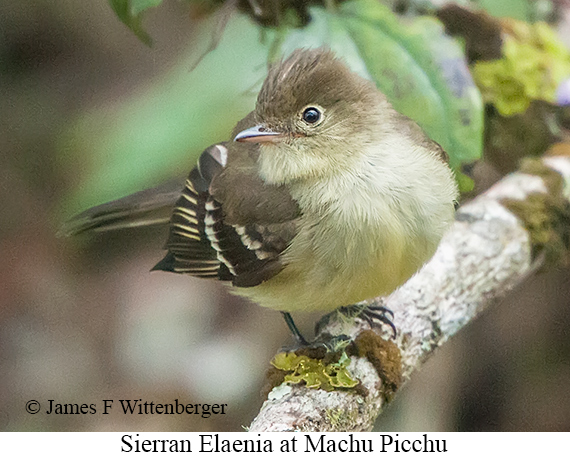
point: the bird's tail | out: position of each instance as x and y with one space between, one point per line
147 207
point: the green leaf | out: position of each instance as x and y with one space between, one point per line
326 29
130 13
423 73
138 6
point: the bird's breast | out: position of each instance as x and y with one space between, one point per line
363 232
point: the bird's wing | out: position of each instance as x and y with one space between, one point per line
147 207
228 224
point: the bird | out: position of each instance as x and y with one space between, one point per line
324 195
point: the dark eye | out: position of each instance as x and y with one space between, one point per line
311 115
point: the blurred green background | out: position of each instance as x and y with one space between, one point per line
82 319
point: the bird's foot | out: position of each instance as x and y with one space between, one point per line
375 314
319 348
315 349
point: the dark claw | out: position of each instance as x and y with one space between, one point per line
374 313
382 316
381 309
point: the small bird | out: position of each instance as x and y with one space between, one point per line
325 197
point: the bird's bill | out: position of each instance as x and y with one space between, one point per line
258 134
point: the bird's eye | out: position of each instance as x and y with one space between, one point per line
311 115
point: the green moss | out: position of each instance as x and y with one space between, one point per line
546 216
386 358
273 377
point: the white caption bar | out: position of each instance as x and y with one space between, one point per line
335 444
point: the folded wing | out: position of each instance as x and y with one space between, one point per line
222 225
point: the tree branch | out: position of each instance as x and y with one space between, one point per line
487 252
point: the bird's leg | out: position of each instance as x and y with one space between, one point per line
318 348
301 341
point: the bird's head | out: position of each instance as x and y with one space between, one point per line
313 116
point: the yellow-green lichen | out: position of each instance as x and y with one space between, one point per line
322 368
315 373
534 63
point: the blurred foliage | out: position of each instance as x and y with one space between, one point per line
518 9
533 65
159 131
481 32
522 10
423 73
271 12
520 83
510 138
130 12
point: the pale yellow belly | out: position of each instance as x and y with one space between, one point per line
313 281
